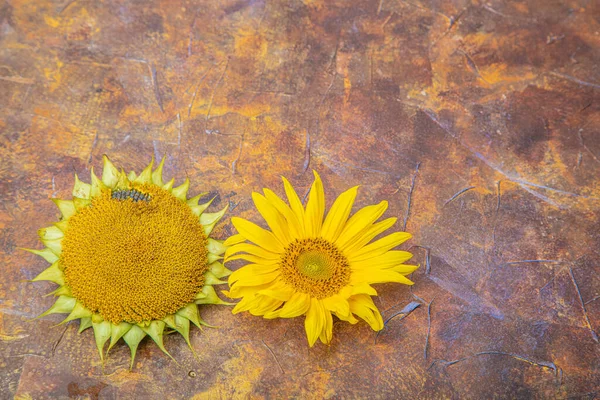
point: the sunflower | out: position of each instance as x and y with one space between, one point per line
132 257
307 265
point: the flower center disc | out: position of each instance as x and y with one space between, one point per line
315 267
135 255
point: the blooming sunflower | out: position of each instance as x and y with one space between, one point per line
309 266
132 257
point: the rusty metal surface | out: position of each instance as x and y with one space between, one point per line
477 120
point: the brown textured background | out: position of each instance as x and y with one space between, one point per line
478 121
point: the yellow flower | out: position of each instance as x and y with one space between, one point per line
132 256
309 266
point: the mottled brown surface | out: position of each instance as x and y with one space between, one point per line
496 104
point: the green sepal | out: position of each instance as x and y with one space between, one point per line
211 279
219 270
181 191
200 208
79 311
84 323
146 175
46 254
156 330
110 174
157 175
80 203
190 312
213 257
131 176
62 225
181 325
81 189
53 245
62 305
215 246
61 291
194 200
133 337
169 185
50 233
66 207
123 182
97 184
101 334
116 332
52 274
211 297
209 220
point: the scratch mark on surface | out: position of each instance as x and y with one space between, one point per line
515 179
17 79
428 327
410 192
59 339
179 132
191 35
472 66
306 152
544 364
594 299
409 308
275 358
234 162
427 257
196 90
585 315
53 187
94 143
580 136
212 96
576 80
155 85
458 194
532 261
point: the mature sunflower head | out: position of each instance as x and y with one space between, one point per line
307 265
132 257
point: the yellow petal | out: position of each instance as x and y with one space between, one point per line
380 246
253 275
360 240
294 225
297 305
279 291
338 215
295 203
327 332
386 260
253 259
315 208
360 222
236 292
337 304
272 217
257 235
405 269
250 249
315 321
362 305
378 276
235 239
264 305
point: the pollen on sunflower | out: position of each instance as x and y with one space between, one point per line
315 265
133 256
